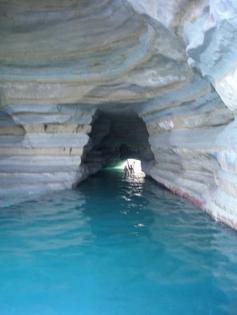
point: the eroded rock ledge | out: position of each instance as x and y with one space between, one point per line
170 65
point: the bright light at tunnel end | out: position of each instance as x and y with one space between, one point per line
136 164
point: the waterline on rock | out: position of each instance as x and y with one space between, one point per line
116 245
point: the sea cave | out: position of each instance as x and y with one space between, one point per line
85 86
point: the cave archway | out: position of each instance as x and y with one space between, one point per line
116 136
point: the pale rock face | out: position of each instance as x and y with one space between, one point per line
79 79
212 44
166 12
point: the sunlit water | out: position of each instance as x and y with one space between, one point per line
115 247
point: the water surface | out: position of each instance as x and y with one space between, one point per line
115 246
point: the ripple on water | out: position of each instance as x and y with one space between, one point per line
115 246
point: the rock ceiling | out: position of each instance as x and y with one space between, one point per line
171 62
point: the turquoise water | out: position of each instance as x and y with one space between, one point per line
115 247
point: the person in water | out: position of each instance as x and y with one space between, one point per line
128 169
131 170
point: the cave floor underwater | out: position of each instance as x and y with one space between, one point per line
118 245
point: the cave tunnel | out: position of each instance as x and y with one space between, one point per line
117 136
85 86
175 65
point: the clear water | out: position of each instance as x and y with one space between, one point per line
115 246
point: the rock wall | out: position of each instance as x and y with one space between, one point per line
190 141
41 148
173 63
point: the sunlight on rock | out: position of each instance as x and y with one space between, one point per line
133 167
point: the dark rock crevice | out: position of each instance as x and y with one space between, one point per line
116 136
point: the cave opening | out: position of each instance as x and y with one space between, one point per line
117 139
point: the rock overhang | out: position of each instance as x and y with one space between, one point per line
172 63
96 51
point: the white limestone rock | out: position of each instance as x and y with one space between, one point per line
172 62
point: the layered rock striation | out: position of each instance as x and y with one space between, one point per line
79 80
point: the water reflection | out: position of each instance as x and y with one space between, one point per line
115 246
46 225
